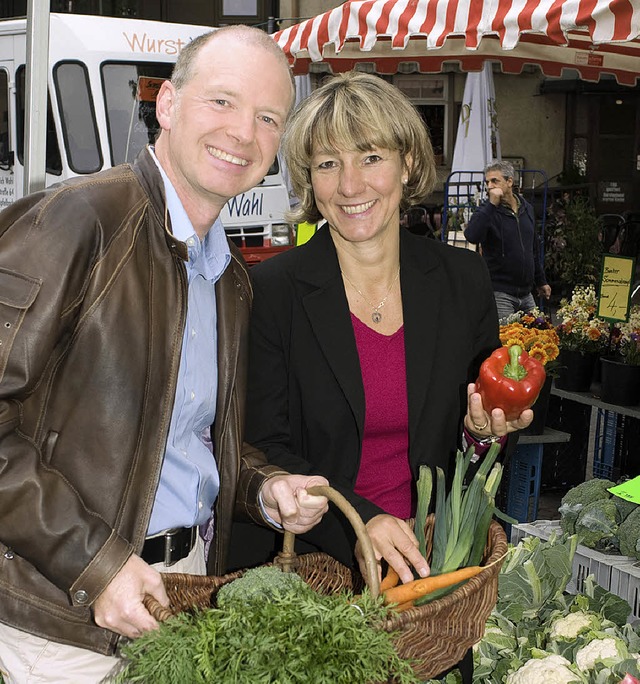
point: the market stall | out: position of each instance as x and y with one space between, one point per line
590 37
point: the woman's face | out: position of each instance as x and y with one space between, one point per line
359 193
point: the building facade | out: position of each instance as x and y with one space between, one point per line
577 133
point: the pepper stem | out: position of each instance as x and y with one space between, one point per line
514 369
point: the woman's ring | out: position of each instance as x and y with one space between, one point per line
481 427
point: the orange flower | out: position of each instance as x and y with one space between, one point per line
551 350
537 352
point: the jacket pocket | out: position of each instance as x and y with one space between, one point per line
17 294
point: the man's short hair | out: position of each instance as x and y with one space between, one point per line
183 68
503 167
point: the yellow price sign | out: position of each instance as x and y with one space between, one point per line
615 287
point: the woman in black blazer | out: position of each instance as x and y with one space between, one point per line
358 153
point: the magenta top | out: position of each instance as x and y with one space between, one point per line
384 476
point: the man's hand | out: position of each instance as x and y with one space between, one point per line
545 291
495 196
394 540
120 608
286 501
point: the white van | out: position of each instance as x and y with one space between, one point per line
103 76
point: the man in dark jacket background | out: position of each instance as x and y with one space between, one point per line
504 227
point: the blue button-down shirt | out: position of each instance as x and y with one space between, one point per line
189 479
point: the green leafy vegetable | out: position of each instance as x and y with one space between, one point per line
581 495
534 618
293 638
597 524
462 517
424 488
260 584
629 534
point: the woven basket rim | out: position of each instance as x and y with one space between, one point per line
428 635
497 542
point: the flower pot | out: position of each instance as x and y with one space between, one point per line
576 370
620 383
540 410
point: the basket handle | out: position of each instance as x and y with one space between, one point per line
371 566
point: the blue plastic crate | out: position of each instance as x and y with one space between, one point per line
604 453
524 482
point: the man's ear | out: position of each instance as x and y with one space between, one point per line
165 104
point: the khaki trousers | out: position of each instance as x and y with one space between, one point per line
28 659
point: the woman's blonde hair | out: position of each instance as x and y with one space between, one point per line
357 111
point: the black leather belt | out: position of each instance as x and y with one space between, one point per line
170 547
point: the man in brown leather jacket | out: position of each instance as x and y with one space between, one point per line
107 284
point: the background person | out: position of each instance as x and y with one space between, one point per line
365 339
504 226
122 372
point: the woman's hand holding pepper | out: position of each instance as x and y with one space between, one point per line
482 424
394 540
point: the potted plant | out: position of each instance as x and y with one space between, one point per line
573 250
536 334
582 338
621 370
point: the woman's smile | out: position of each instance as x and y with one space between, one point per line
355 209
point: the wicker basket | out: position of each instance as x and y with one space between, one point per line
434 636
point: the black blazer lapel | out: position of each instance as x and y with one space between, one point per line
326 306
421 303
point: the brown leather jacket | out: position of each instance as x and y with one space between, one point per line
93 295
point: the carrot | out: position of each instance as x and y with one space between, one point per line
417 588
390 580
403 606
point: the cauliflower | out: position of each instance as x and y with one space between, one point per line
597 524
629 534
553 669
577 497
569 626
600 650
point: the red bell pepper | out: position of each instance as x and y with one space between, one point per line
510 379
629 679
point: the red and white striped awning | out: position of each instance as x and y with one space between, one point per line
591 37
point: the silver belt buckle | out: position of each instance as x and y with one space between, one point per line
170 544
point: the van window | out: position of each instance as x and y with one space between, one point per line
6 162
53 160
129 94
79 129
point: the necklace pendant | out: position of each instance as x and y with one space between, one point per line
376 317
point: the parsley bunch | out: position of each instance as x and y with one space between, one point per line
294 638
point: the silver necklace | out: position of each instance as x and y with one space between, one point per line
376 316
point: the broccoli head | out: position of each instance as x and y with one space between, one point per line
258 585
577 497
629 534
624 507
597 524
